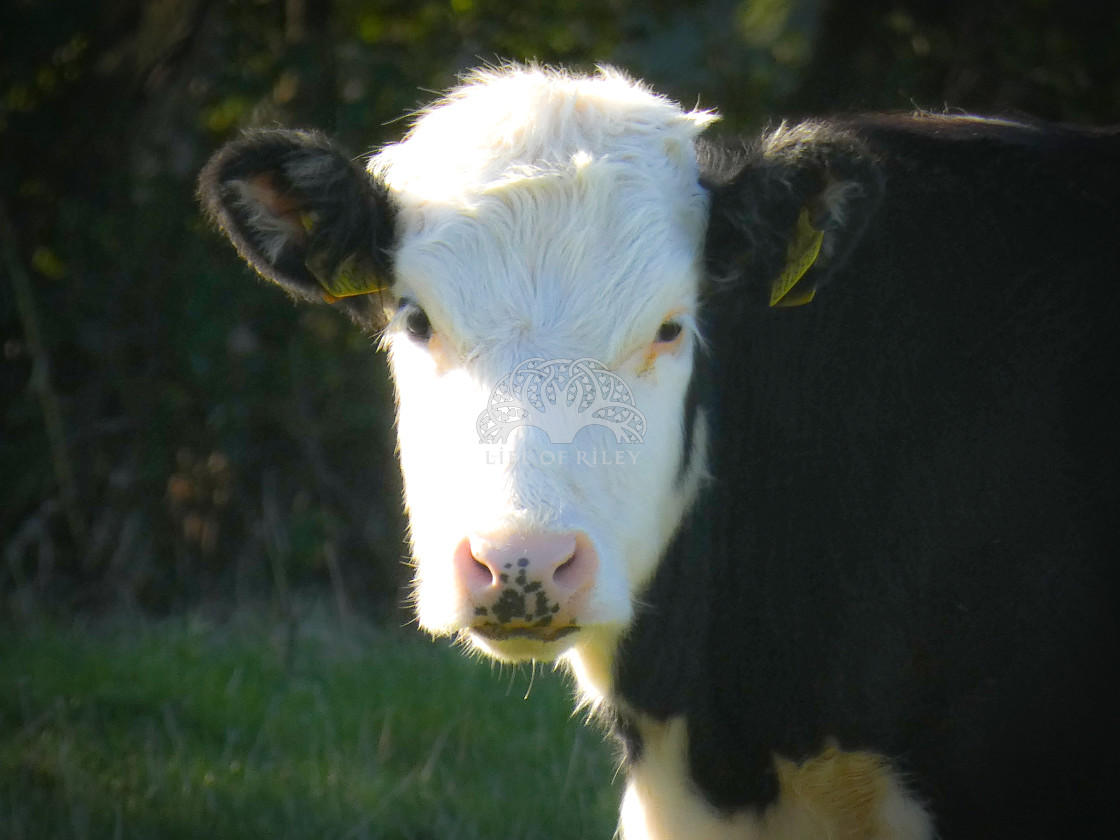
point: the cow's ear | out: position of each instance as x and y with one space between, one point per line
301 213
787 214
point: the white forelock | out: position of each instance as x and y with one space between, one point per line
518 121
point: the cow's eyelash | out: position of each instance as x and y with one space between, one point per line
411 319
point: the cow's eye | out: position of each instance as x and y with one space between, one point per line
669 332
416 323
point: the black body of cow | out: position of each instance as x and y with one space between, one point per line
908 544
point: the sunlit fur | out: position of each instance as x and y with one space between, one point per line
834 796
544 215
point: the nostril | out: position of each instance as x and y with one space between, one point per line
482 574
578 570
473 572
566 571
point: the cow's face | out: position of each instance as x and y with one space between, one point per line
535 243
533 251
541 331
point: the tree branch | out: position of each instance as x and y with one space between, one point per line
41 378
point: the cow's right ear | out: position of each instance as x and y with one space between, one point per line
301 213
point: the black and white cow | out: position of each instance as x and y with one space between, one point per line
801 454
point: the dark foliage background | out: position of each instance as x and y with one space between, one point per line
172 431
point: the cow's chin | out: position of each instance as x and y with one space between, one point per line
522 644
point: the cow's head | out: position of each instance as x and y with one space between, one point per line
534 252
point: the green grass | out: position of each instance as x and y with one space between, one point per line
183 729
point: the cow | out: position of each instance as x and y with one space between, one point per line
798 451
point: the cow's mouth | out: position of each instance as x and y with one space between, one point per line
502 632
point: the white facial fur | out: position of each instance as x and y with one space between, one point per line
552 216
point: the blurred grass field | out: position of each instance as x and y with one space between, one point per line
245 729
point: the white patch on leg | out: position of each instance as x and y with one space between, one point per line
661 803
834 796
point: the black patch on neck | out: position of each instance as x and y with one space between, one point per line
689 652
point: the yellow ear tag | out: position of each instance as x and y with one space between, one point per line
804 248
353 277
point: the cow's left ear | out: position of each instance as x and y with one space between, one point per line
786 216
301 213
